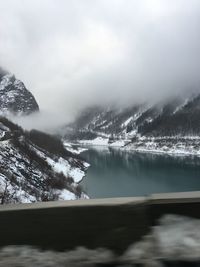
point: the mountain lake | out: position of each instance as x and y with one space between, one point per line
117 173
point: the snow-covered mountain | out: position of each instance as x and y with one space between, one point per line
164 124
35 166
14 96
128 122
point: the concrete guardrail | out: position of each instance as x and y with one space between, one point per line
113 223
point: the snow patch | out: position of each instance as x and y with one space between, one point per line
70 148
127 121
99 141
66 195
176 238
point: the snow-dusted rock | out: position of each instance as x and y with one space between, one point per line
14 96
33 172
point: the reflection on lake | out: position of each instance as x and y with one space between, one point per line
115 173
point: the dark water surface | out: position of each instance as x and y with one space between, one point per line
115 173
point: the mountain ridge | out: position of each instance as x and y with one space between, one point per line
141 127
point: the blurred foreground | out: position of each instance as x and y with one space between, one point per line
174 242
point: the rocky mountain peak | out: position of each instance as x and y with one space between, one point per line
14 96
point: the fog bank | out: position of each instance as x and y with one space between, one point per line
71 54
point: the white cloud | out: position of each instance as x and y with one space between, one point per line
74 53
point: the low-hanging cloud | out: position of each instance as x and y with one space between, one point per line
72 54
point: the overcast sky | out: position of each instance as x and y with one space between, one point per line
73 53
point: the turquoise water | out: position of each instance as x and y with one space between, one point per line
114 173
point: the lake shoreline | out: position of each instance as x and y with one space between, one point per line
120 173
177 150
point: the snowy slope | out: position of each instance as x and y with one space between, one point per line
31 172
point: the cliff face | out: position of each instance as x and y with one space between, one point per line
14 96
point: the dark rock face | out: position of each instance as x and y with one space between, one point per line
14 96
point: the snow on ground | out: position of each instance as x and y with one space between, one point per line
127 121
76 150
181 106
176 145
176 238
166 145
66 195
76 174
2 133
14 191
165 150
99 141
105 127
27 256
62 166
86 164
118 143
131 134
11 157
